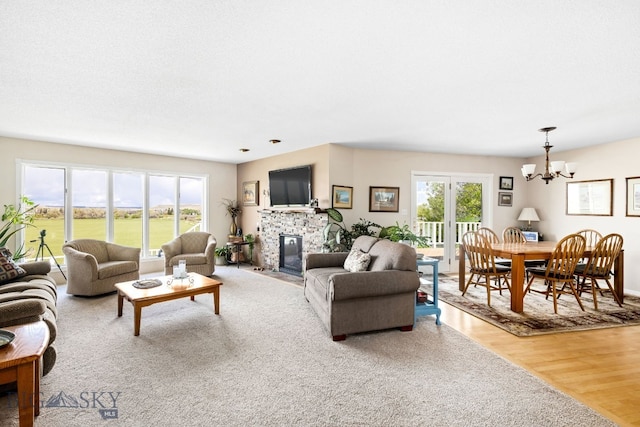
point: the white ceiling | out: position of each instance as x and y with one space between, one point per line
204 78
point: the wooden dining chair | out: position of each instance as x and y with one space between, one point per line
483 268
489 234
599 267
560 269
492 236
592 237
513 235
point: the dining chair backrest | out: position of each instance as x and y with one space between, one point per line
565 257
513 235
478 249
592 237
604 255
489 234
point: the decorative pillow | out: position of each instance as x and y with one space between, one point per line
8 269
357 261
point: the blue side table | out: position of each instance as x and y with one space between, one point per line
430 306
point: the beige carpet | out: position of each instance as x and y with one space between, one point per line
538 317
267 360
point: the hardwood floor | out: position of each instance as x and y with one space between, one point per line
600 368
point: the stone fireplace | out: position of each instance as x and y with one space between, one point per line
305 224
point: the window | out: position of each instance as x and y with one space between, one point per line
133 208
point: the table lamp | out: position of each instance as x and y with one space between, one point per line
528 214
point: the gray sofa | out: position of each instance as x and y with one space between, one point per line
32 298
382 297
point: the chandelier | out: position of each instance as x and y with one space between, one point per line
551 169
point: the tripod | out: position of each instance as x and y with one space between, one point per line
41 249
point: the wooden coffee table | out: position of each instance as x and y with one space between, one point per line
179 288
20 362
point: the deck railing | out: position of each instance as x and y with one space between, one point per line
435 231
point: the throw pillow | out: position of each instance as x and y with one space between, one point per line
357 261
9 270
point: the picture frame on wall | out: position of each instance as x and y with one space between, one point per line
633 196
250 193
505 199
593 197
342 197
384 199
506 183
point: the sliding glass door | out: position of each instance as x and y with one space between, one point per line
444 207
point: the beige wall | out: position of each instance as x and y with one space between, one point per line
222 176
361 168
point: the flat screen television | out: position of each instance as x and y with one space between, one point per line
290 187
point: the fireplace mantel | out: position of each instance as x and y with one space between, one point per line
306 222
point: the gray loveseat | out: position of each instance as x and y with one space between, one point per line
382 297
29 299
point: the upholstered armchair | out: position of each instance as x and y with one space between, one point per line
196 248
95 266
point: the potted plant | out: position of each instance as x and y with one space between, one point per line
338 238
403 233
233 210
15 219
222 254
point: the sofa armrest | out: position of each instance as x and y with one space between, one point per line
122 253
81 264
36 267
323 260
372 283
21 311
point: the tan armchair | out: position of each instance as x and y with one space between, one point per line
95 266
196 248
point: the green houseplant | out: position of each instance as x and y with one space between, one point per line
16 218
339 238
251 240
403 233
222 254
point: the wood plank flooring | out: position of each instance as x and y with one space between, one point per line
599 368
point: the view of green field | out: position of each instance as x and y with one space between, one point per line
127 231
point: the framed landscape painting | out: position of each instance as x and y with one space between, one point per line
593 197
342 197
250 193
384 199
505 199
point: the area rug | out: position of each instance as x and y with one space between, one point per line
538 317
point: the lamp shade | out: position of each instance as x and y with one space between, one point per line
528 214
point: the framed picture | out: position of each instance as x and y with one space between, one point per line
505 199
506 183
633 196
342 197
384 199
590 197
250 193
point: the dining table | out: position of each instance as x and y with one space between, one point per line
518 253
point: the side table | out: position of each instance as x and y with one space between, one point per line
20 362
238 250
430 306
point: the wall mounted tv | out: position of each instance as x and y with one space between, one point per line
290 187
